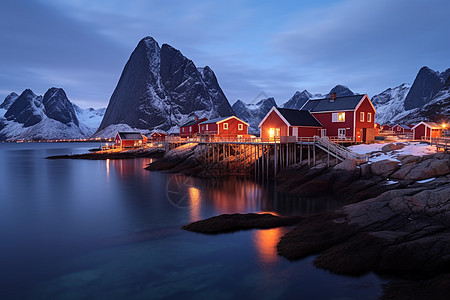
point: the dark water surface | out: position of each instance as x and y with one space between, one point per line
80 229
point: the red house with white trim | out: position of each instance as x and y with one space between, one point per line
289 122
386 127
349 117
158 137
230 126
427 130
130 140
400 129
190 128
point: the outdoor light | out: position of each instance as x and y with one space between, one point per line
444 125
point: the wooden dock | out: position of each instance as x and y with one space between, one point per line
262 156
441 143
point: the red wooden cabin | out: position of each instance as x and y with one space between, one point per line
158 137
289 122
191 128
386 127
348 117
130 140
427 130
401 129
230 126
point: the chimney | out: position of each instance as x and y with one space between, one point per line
196 118
333 97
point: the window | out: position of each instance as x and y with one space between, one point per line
183 129
277 131
341 133
361 116
338 117
369 117
225 126
190 128
240 127
206 126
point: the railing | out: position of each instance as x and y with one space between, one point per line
339 150
440 142
221 139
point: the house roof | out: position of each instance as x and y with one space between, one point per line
339 104
130 136
193 122
297 117
405 127
221 119
431 125
158 134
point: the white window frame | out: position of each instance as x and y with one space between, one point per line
240 126
206 126
369 117
335 117
225 126
361 116
190 128
342 133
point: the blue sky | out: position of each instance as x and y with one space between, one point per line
277 47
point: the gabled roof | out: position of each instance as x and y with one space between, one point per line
130 136
339 104
294 117
219 120
158 134
404 127
431 125
193 122
297 117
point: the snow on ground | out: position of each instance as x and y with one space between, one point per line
426 180
411 148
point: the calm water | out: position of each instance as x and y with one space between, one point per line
79 229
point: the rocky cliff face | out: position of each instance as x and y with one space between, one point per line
298 100
426 85
390 103
160 89
253 113
52 116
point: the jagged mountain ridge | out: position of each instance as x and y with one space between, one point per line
253 113
52 116
160 89
408 104
300 98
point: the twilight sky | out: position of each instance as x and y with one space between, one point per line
277 47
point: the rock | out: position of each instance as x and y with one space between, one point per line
234 222
411 159
392 147
365 170
433 288
347 165
441 167
402 172
384 167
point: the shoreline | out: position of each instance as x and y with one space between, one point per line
114 154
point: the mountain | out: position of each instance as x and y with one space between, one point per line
89 118
414 103
52 116
426 85
341 90
253 113
298 100
436 110
9 100
390 103
161 89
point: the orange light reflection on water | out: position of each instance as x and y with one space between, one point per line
266 244
194 204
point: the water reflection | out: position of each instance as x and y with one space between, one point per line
195 204
265 244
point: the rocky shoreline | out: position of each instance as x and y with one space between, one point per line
114 154
396 222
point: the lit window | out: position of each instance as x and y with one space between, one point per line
361 116
271 132
240 127
278 131
369 117
206 126
225 126
338 117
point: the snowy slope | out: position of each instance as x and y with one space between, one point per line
390 104
253 113
111 130
52 116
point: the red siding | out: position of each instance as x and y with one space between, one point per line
365 107
397 129
308 131
212 128
273 120
332 127
232 130
386 128
419 132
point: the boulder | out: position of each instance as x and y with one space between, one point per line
392 147
411 159
384 167
346 165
